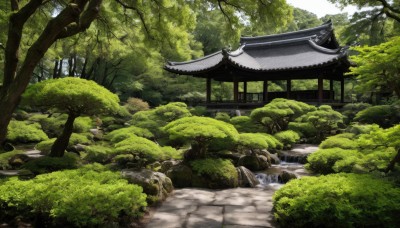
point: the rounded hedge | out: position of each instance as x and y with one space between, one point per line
86 197
338 200
323 160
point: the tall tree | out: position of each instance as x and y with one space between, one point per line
155 19
378 67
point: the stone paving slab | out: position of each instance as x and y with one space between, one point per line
231 208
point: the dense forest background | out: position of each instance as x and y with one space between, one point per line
126 54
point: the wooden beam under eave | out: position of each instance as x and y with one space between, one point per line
235 89
331 94
320 90
208 89
265 91
245 92
342 90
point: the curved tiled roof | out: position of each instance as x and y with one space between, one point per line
320 34
283 52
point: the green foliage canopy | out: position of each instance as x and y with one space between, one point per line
339 200
72 95
377 67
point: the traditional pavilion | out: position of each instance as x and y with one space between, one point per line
306 54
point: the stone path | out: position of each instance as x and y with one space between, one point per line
231 208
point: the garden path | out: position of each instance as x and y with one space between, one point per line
230 208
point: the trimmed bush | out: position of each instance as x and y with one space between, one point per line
147 150
45 146
253 141
305 130
325 120
359 129
383 115
323 160
118 135
171 153
53 126
199 131
48 164
343 141
349 111
25 132
98 153
134 105
276 115
219 173
338 200
223 116
287 138
84 197
245 124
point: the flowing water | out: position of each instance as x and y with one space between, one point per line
290 162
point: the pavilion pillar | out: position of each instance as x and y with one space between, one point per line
208 89
342 90
320 89
288 88
235 89
245 92
331 95
265 91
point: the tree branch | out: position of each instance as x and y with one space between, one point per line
84 21
16 24
139 13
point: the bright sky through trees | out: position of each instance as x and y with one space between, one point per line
320 7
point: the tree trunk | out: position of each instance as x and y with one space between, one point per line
393 162
61 26
61 143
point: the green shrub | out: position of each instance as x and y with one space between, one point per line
246 125
359 129
216 170
383 115
45 146
273 143
253 141
198 111
25 132
147 150
343 141
49 164
134 105
287 138
171 153
98 153
83 197
223 116
325 121
349 111
306 130
156 118
4 157
276 115
124 133
338 200
200 131
54 125
323 160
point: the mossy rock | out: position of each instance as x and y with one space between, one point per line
155 184
181 175
214 174
250 162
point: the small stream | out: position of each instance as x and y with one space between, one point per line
290 162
